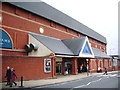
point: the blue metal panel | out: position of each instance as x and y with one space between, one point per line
86 49
5 40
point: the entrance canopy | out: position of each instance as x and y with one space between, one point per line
79 47
100 54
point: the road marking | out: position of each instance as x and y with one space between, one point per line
113 75
109 75
56 84
87 84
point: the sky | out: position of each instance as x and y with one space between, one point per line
99 15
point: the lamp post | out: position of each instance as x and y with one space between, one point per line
87 66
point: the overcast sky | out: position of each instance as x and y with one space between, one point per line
99 15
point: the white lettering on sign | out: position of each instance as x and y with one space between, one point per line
4 40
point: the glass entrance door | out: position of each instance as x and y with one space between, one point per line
58 67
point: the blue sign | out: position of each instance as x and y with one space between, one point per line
5 40
87 49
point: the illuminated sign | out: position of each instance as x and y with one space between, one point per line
5 40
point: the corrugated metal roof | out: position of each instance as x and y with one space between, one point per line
75 44
99 54
48 12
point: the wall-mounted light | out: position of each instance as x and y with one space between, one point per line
30 47
33 46
87 60
0 18
41 30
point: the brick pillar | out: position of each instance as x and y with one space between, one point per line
108 65
103 63
90 61
74 66
53 67
63 66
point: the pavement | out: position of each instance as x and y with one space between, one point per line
42 82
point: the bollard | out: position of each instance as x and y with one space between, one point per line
21 81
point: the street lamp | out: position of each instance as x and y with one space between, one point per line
87 66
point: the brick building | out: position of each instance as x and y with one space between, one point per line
39 42
115 62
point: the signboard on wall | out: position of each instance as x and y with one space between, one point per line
47 65
5 40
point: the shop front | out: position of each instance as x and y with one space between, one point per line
58 66
82 65
72 56
63 66
68 65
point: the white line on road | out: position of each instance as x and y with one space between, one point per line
87 83
107 76
95 80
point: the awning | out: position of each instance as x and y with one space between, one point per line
79 47
99 54
54 44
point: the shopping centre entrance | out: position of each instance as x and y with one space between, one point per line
82 65
63 65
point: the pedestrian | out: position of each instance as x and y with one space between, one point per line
81 67
105 69
13 77
99 69
66 71
8 75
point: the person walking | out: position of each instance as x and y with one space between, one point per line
81 67
8 75
66 71
99 69
105 69
13 77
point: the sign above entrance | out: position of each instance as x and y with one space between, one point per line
5 40
86 50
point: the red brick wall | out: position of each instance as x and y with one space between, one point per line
13 53
74 66
30 67
94 63
26 22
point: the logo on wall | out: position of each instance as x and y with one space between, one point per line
5 40
47 65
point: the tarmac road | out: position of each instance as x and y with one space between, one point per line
99 81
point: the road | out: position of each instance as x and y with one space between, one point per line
99 81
